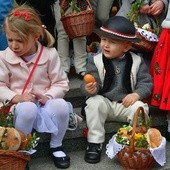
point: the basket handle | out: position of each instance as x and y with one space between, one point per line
89 4
135 119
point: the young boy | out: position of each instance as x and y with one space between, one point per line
122 81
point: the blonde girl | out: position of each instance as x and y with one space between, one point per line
41 106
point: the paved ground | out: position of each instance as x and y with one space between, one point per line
78 163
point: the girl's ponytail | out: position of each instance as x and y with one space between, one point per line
47 39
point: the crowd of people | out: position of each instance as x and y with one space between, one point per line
32 35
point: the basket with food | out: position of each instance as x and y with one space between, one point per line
138 146
148 36
15 146
148 39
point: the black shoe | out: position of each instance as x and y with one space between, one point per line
167 136
60 162
93 153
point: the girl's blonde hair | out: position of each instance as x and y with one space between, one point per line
25 20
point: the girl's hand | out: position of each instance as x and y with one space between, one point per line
91 88
130 99
156 8
26 97
40 97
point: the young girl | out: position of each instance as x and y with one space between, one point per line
41 105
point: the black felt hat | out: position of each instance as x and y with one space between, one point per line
118 27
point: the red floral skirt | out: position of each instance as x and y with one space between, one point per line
160 71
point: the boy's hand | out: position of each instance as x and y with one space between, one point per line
91 88
130 99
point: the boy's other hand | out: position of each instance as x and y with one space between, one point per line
130 99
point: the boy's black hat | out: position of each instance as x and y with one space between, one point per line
118 27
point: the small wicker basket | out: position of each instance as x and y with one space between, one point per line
13 160
136 158
79 24
144 45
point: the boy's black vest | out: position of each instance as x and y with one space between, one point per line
109 76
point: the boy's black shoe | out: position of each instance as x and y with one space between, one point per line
60 162
93 153
167 136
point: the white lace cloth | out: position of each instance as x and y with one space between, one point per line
147 35
159 154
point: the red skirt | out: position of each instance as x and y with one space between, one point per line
160 71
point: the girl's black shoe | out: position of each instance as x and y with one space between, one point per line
60 162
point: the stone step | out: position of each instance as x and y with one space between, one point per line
78 163
75 140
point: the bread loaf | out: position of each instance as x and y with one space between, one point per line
10 138
154 137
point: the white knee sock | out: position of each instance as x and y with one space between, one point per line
59 154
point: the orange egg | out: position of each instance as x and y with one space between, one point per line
88 78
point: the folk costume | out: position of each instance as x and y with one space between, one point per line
115 79
160 71
160 68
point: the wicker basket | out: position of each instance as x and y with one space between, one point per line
133 158
79 24
13 160
144 45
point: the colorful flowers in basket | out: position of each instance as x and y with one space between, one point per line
11 138
141 138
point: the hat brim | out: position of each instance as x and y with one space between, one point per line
112 36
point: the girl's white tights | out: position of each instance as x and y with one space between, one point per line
58 109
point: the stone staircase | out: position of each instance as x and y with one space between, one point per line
74 140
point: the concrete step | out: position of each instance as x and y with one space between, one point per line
75 140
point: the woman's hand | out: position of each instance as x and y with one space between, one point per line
156 8
145 9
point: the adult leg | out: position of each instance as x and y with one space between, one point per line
80 54
62 39
103 10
